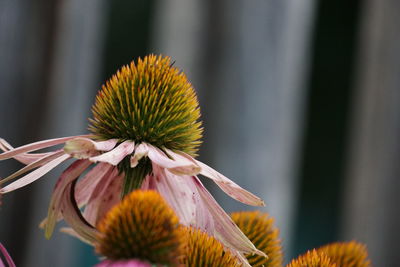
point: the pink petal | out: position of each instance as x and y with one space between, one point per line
226 230
7 257
33 176
24 158
70 174
230 187
83 148
37 146
73 216
37 163
177 193
123 263
178 165
104 196
115 156
140 152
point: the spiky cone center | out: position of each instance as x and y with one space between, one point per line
141 226
260 229
149 101
312 259
203 250
349 254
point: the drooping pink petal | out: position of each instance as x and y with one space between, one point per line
7 257
82 148
230 187
37 146
225 230
115 156
73 216
25 158
70 174
104 196
33 176
176 192
123 263
37 163
178 165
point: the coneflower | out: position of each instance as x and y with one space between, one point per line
145 132
260 229
312 259
347 254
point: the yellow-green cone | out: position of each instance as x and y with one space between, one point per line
202 250
259 228
141 226
347 254
312 259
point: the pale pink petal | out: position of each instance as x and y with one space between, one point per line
83 148
37 146
70 174
115 156
37 163
106 194
230 187
7 257
178 165
73 216
176 192
241 258
25 158
140 152
123 263
33 176
225 230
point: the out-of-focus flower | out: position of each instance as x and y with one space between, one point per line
259 228
202 250
347 254
123 263
8 260
142 226
312 259
145 133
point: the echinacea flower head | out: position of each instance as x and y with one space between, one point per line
8 261
347 254
145 134
259 228
142 226
312 259
202 250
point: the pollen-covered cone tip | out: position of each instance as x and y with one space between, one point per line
347 254
312 258
259 228
141 226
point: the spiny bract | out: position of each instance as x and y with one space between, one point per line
347 254
259 228
150 101
312 259
141 226
202 250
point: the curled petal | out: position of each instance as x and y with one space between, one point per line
230 187
70 174
7 257
24 158
140 152
104 196
82 148
73 233
37 163
73 216
225 229
178 165
37 146
123 263
115 156
33 176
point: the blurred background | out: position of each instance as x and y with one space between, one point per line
300 104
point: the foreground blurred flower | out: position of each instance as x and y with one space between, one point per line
124 263
6 256
347 254
259 228
145 132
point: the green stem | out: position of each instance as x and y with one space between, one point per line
134 176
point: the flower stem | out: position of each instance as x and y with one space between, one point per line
134 176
